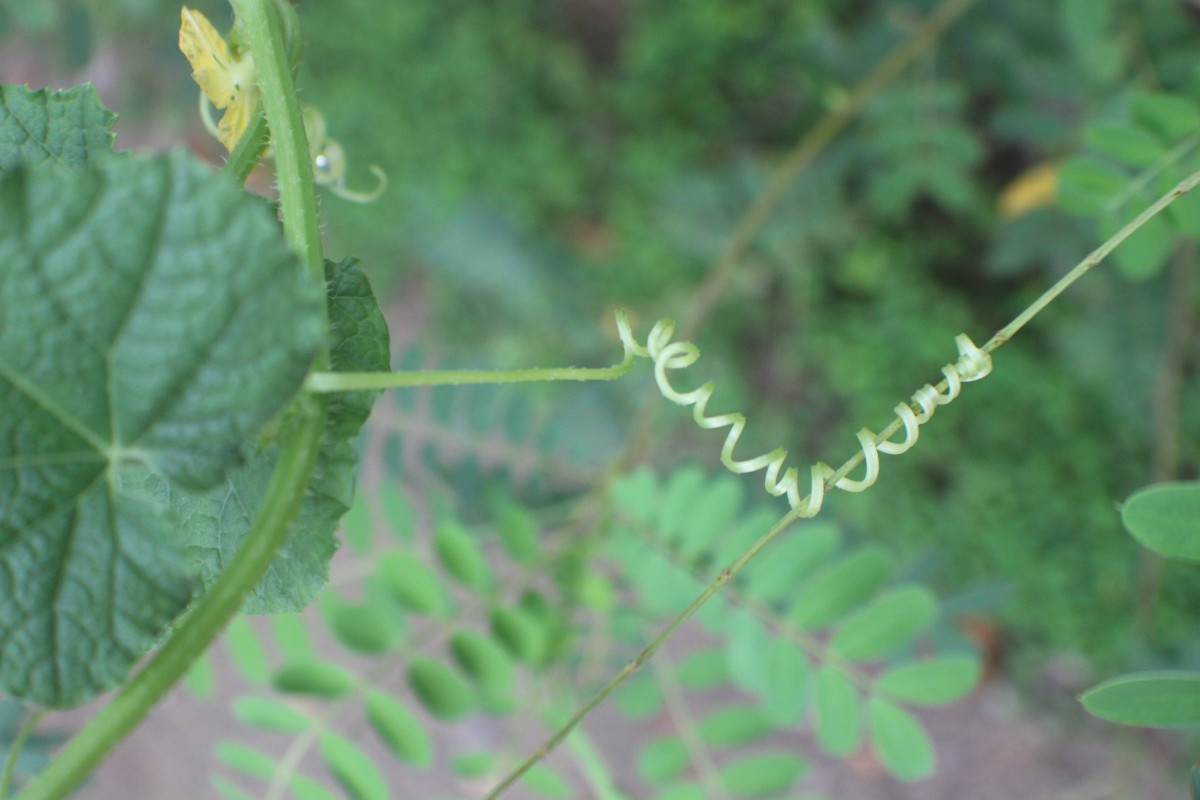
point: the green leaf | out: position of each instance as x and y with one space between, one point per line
734 725
838 728
703 669
637 495
442 690
1149 699
217 520
473 765
246 650
886 624
413 584
488 665
292 637
662 759
201 678
639 697
517 528
1087 184
746 647
228 789
1145 253
1166 519
398 511
546 782
314 677
1126 143
106 283
353 768
357 528
763 774
787 684
360 628
791 561
520 633
1172 116
461 555
245 759
935 682
840 587
305 788
900 741
70 128
399 729
269 713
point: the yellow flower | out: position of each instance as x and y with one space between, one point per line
227 80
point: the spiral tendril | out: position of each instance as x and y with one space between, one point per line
971 365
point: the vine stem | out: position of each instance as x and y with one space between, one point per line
297 458
1000 338
321 382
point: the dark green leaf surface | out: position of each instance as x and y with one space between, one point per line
1152 699
69 128
1166 519
216 520
139 347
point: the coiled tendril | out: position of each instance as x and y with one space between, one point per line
972 364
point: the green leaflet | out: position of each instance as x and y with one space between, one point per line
356 771
70 128
900 741
138 346
1166 699
1166 519
216 520
398 728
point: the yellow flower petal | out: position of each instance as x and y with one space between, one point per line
209 56
1033 188
237 117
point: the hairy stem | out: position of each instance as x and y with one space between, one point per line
297 459
249 149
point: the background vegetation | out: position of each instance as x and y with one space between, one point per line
550 160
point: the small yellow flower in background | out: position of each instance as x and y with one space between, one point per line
1034 188
228 80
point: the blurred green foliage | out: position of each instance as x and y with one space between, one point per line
549 159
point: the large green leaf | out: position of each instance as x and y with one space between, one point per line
70 128
1152 699
1166 519
139 345
216 520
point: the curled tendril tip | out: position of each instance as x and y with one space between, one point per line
971 365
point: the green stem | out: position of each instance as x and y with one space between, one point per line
249 149
14 752
321 382
293 168
285 493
